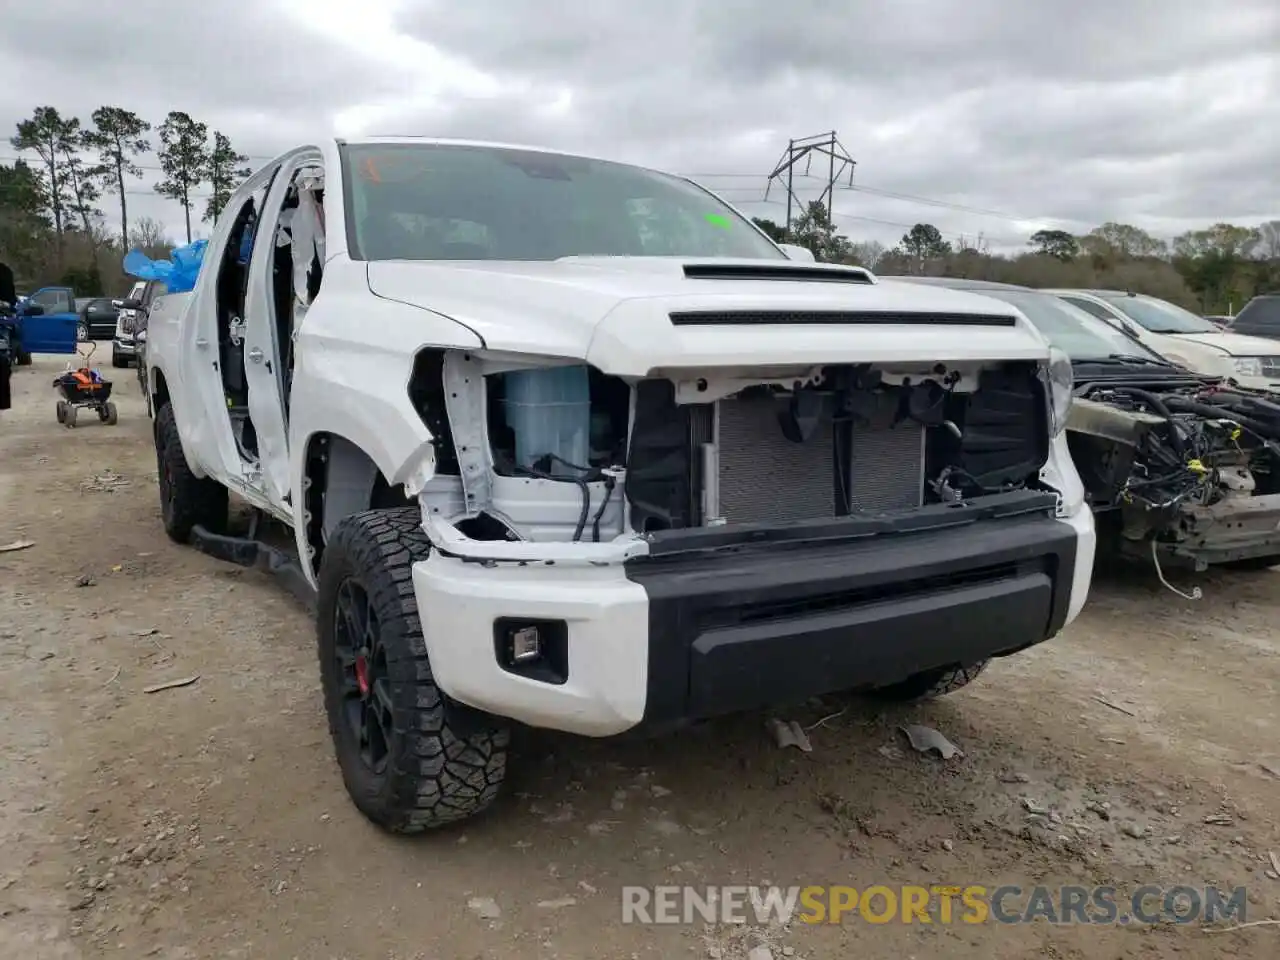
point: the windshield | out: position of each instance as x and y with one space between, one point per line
1079 335
1160 316
426 201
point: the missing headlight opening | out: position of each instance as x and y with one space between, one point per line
562 424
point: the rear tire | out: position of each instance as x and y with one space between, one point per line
404 767
118 359
82 332
24 359
69 418
109 414
62 411
186 500
930 684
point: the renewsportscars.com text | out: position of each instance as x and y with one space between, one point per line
942 904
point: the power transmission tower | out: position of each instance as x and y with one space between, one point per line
824 145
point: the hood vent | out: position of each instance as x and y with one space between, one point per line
744 318
781 271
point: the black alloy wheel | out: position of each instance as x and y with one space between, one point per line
362 669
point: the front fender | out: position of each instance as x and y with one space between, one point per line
359 393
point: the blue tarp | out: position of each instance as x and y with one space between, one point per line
179 273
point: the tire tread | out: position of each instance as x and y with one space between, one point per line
435 777
198 501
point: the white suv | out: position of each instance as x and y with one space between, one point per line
1183 337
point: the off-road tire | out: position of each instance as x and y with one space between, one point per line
432 776
109 414
185 499
119 359
930 684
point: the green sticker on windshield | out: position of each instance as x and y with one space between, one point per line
717 220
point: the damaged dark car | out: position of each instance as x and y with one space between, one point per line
1177 466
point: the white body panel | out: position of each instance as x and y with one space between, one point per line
612 312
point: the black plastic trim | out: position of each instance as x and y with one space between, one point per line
246 552
803 533
740 318
773 623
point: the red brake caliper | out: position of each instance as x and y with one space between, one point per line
362 674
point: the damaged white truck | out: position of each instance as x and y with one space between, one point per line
571 443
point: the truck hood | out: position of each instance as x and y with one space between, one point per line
1233 344
614 312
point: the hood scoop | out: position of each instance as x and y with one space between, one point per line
835 273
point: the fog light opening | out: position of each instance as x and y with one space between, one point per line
536 649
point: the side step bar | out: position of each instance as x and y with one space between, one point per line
254 554
248 552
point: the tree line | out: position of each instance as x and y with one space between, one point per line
1214 270
52 228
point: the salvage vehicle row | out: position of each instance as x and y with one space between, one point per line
1176 463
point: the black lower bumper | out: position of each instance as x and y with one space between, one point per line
740 619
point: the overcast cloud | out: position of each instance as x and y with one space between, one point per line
1163 113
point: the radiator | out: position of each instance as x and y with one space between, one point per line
887 468
764 477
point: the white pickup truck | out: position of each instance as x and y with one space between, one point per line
571 443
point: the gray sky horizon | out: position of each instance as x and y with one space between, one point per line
988 119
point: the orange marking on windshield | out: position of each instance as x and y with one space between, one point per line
371 170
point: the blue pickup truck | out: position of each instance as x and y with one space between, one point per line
45 322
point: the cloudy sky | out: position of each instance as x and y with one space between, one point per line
984 117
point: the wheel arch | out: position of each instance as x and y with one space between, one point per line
158 387
339 478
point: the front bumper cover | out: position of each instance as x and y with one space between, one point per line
715 620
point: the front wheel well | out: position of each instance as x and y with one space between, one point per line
159 390
340 479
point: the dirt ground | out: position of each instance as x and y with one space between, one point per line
209 820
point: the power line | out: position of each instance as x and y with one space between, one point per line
141 166
854 187
840 215
823 148
879 192
132 192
